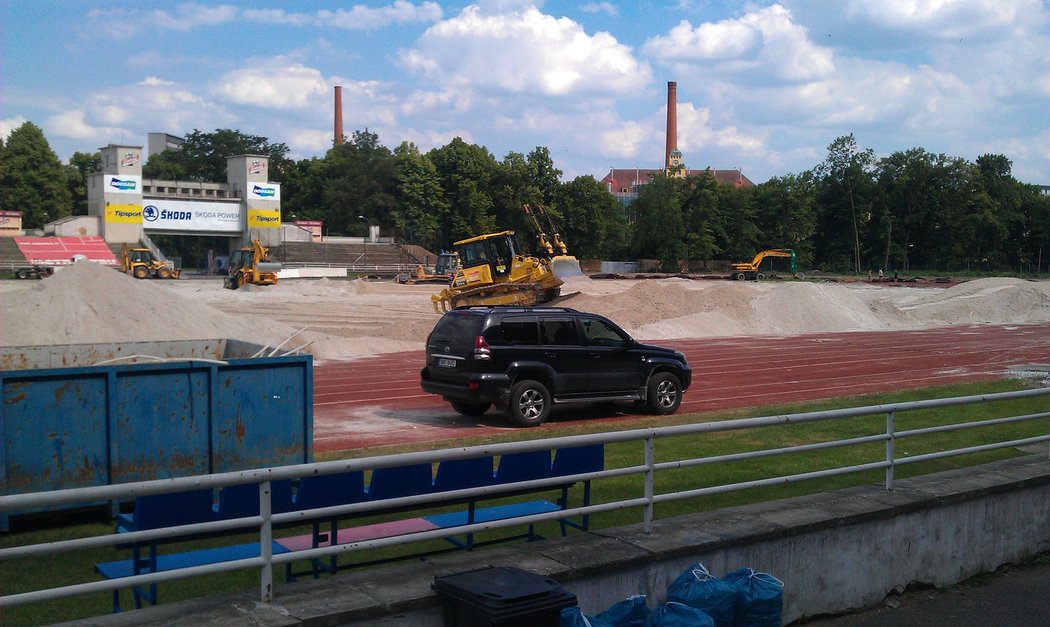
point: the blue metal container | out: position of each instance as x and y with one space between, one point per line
97 425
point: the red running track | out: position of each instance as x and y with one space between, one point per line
377 401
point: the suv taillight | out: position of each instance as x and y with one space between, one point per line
481 348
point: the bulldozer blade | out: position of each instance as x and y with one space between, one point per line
565 266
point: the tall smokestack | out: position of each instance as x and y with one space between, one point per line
672 121
338 138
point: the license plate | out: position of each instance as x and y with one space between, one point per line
446 363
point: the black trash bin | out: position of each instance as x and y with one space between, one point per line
504 596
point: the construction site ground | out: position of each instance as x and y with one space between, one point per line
749 343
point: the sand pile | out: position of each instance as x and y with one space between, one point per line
89 303
678 308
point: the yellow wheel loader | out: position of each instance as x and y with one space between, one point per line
141 264
494 271
251 264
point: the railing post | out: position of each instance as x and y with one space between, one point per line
890 428
650 462
266 542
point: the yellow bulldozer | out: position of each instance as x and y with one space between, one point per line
494 271
141 264
441 272
251 264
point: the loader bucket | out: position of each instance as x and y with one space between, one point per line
565 266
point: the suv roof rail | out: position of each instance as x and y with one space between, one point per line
515 308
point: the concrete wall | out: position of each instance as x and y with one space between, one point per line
834 552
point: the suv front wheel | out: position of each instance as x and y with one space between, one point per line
665 393
530 403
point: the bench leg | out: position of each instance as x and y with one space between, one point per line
150 563
585 520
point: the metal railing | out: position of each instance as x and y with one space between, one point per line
266 520
357 268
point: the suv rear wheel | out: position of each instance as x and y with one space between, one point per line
470 409
530 403
665 393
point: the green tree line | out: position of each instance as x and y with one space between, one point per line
910 211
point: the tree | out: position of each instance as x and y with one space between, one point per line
466 172
32 179
705 226
594 223
785 214
660 231
360 184
847 183
80 166
202 157
420 199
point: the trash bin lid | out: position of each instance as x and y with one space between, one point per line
499 586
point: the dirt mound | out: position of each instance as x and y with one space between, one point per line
90 303
678 308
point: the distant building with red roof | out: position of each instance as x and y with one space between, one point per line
624 182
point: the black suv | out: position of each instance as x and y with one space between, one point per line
524 359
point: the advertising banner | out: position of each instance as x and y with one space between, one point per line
121 184
11 220
264 191
123 214
264 218
191 215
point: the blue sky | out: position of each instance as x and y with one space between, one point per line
762 86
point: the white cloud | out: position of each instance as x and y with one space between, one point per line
625 141
947 19
599 7
73 124
526 52
273 84
358 17
153 81
763 42
185 17
10 124
447 100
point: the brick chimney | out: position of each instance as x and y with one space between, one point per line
672 122
338 134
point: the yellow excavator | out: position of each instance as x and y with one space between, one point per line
141 264
494 271
753 269
251 264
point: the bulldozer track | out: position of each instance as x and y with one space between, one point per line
531 294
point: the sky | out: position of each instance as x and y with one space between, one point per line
763 87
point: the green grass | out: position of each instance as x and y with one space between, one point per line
34 574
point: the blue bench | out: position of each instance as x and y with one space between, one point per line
196 506
462 474
160 563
